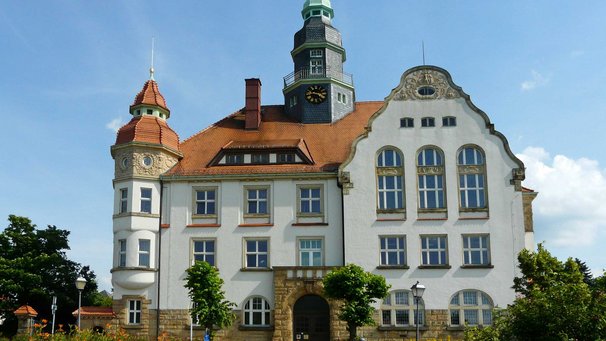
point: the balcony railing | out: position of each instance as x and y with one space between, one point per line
316 73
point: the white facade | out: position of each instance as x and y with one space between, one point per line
501 219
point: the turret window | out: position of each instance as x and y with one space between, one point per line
316 67
146 200
316 53
150 112
123 200
122 253
144 252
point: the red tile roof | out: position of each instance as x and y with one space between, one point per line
328 144
26 310
148 129
150 95
95 312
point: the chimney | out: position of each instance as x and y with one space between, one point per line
253 103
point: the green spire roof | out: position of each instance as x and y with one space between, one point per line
317 8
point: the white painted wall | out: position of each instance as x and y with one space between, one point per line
239 285
505 224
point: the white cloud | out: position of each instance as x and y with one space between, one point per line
535 81
115 124
572 195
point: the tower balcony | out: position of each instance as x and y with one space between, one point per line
313 74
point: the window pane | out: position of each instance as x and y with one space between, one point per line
471 317
251 261
454 318
386 317
251 246
262 245
262 261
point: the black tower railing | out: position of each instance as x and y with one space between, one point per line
309 73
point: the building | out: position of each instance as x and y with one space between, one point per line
418 187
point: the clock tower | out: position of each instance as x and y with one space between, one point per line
318 91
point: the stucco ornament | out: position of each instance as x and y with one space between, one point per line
424 85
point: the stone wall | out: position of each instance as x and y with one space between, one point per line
142 330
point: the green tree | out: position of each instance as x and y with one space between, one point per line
357 289
33 268
210 308
554 303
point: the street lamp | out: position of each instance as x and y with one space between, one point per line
80 284
417 293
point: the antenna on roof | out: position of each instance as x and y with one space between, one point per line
151 69
423 49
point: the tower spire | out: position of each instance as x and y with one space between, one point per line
151 68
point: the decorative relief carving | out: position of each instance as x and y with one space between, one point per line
345 181
517 175
430 170
139 163
471 169
430 79
389 171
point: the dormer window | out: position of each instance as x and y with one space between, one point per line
286 157
234 159
259 158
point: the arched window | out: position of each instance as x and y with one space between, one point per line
430 169
399 309
472 178
390 194
470 307
257 312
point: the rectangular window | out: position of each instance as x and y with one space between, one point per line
257 201
234 159
471 189
310 200
310 252
316 67
434 250
134 311
256 253
286 157
476 250
428 122
407 122
293 101
316 53
123 200
393 251
259 158
449 121
146 200
204 251
206 201
144 252
122 252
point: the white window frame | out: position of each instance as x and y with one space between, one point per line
386 171
145 200
407 122
205 201
476 168
441 249
428 122
251 307
385 251
469 302
257 200
256 253
316 67
401 302
204 253
483 249
122 247
310 200
426 170
123 208
449 121
134 312
316 53
309 253
142 252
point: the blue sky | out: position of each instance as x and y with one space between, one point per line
71 69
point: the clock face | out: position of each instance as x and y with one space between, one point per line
315 94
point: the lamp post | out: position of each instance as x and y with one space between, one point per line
417 292
80 284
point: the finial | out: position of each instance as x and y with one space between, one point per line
151 69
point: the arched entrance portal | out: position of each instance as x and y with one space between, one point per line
311 319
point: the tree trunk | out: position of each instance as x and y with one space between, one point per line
353 331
